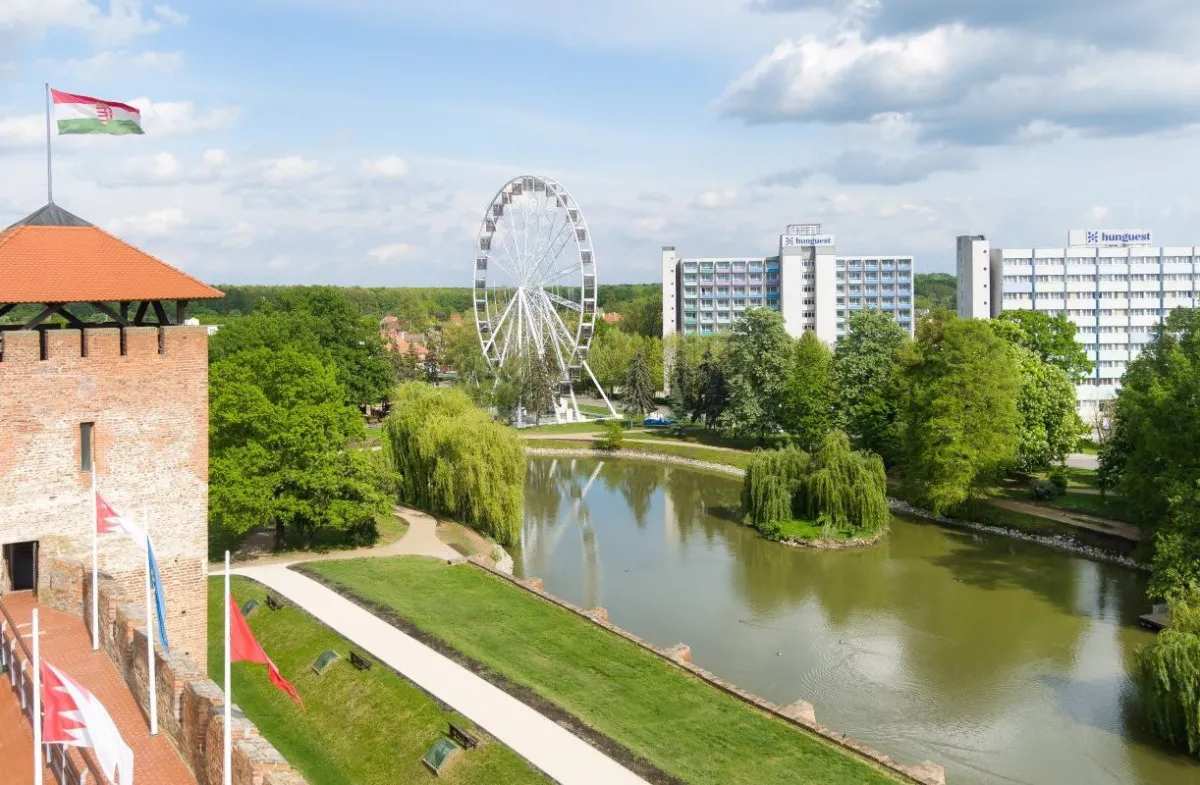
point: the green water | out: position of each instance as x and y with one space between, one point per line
1004 661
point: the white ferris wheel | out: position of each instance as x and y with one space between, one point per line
535 285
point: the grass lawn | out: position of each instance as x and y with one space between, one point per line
739 460
695 434
566 427
684 726
357 727
809 531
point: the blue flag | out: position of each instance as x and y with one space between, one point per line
159 605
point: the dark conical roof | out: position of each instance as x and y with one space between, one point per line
50 215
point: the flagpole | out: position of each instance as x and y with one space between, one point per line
49 168
228 759
95 548
150 634
37 702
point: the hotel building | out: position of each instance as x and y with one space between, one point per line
1116 286
813 287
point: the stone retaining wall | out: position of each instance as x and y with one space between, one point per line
1061 542
800 713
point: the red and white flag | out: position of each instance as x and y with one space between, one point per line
109 521
72 716
243 647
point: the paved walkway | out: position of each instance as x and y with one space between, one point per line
1079 520
1080 460
66 643
541 741
420 540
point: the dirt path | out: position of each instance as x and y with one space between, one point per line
1103 525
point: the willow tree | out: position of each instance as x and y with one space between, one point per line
848 487
454 460
1168 676
772 479
844 488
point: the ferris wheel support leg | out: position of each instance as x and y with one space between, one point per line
575 405
600 387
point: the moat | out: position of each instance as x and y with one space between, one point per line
1004 661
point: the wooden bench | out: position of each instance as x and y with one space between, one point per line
464 739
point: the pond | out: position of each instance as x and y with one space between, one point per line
1004 661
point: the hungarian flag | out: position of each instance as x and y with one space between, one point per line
244 648
81 114
72 716
109 521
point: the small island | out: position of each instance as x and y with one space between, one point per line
834 498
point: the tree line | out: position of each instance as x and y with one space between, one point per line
950 412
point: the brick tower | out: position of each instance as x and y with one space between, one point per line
96 364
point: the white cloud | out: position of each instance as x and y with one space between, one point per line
123 21
279 262
389 167
22 131
173 118
288 170
390 252
714 199
1098 213
968 85
156 222
121 61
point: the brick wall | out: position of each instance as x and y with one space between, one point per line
190 706
150 409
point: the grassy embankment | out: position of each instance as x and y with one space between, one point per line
672 719
357 727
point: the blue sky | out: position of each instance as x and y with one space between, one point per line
358 141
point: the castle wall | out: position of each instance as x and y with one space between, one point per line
149 404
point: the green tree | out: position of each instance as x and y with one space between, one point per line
1051 338
865 366
758 361
643 316
808 405
279 436
713 391
610 355
1150 456
959 419
638 396
464 354
1168 677
935 292
1050 426
434 347
453 460
319 321
1176 575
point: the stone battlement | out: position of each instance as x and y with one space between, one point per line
93 347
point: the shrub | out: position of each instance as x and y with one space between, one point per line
611 437
1043 490
1058 476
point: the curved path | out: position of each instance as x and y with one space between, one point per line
556 751
591 437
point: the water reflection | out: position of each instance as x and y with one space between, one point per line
1002 660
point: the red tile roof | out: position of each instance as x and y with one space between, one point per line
82 263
